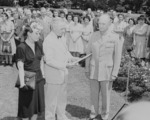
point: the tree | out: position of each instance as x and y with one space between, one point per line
6 2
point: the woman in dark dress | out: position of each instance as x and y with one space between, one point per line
29 57
128 35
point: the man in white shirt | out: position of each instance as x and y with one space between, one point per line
57 60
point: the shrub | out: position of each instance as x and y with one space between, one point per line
139 78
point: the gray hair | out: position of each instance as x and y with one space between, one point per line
58 24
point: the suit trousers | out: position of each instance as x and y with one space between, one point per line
55 101
103 87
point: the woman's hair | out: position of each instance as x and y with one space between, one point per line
6 15
27 29
33 25
62 12
142 17
132 20
121 15
87 17
77 17
68 15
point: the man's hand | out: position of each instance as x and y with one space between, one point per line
69 65
73 59
17 38
113 77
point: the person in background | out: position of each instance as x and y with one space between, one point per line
18 23
128 35
7 39
63 16
102 66
90 13
65 11
57 59
148 48
135 111
26 20
9 12
46 23
83 15
29 57
95 21
67 33
1 14
140 32
87 31
21 13
76 44
34 14
119 28
128 16
115 17
56 15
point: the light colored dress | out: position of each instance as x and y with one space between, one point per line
86 34
119 28
140 41
67 34
6 29
76 44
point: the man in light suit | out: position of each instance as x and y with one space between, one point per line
57 60
103 66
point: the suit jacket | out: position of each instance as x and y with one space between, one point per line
56 58
106 56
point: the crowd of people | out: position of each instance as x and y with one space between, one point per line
134 32
49 42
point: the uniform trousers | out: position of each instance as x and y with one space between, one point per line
103 87
55 101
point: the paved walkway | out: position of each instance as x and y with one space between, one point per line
78 95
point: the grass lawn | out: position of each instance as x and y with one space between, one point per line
78 95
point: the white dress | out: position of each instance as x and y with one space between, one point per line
75 43
67 33
119 28
86 34
7 28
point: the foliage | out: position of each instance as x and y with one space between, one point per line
6 2
119 5
139 78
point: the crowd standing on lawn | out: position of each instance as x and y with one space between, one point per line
48 42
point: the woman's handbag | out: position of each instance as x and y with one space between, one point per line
6 47
30 80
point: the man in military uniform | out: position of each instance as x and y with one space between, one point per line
103 66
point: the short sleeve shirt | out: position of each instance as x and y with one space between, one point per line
31 60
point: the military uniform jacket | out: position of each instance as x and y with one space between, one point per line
106 56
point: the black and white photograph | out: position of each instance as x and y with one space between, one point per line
74 59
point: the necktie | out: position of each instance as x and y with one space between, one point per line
59 37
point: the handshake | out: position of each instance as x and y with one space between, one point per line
72 62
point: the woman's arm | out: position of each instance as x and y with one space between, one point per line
42 66
2 38
141 32
11 34
20 65
78 37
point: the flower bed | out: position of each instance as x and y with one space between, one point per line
139 78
